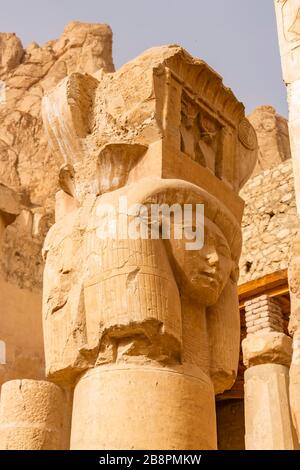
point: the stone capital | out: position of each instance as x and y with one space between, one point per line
267 348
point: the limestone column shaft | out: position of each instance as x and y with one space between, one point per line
32 416
267 355
143 407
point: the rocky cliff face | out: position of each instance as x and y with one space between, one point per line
273 138
26 163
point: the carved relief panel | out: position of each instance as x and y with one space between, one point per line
199 133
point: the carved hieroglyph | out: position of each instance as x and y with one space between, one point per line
146 330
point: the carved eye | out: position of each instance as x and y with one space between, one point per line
207 124
247 135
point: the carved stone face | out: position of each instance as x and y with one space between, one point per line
269 123
202 274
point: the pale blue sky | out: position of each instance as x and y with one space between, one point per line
236 37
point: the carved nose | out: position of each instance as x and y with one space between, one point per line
212 258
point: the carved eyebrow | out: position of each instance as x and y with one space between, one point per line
224 247
220 242
222 239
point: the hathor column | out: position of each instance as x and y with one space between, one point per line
144 329
288 23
